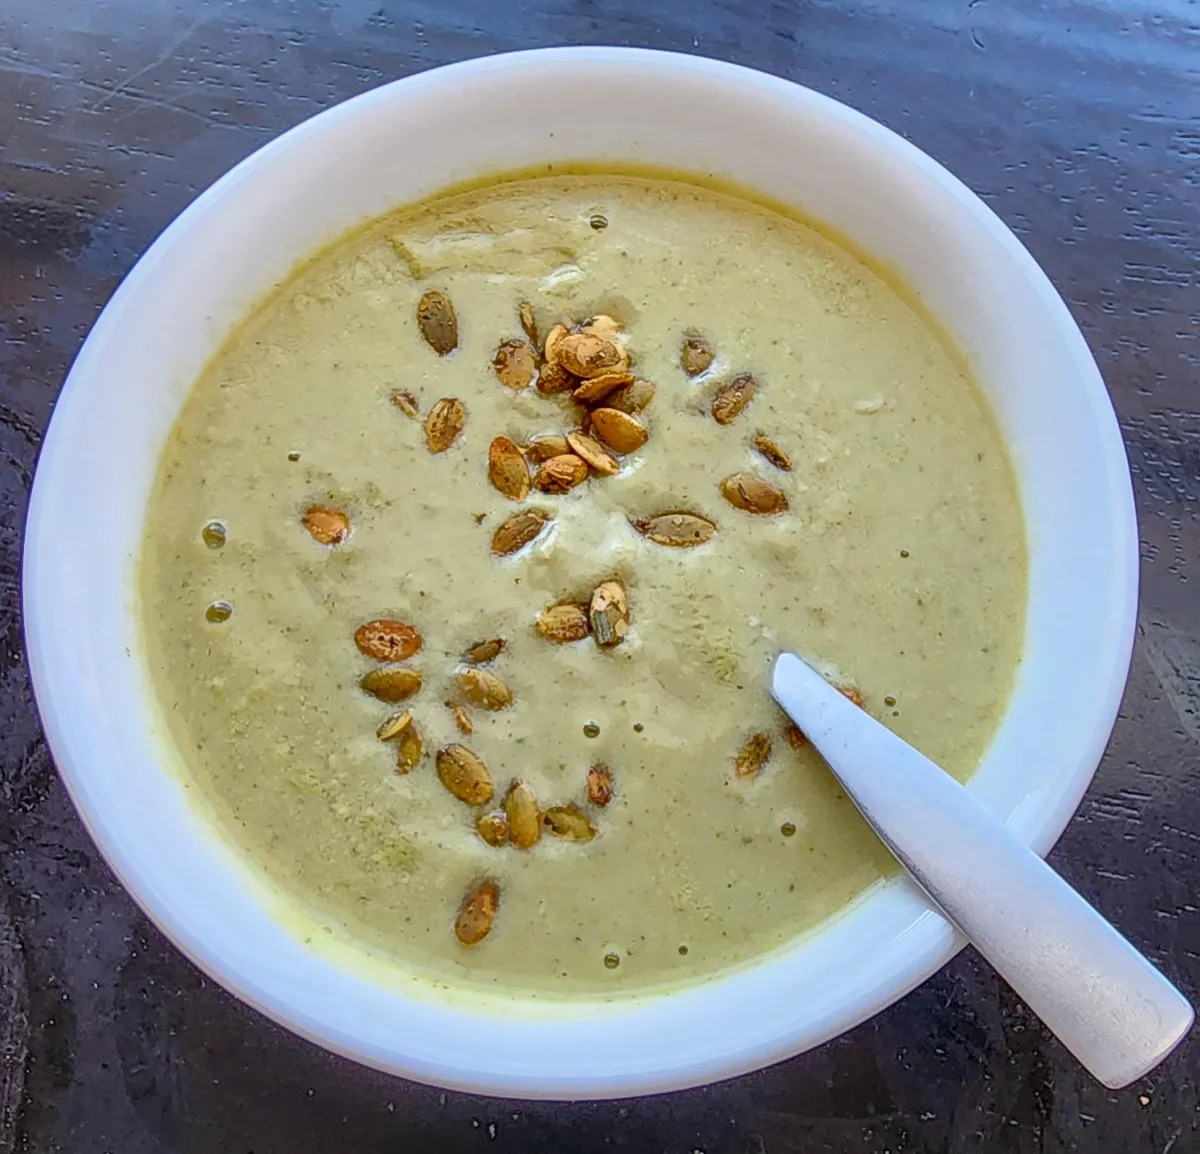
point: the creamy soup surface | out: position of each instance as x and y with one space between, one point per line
898 565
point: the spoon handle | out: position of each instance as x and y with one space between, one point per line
1106 1003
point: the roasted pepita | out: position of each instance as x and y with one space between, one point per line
326 526
483 689
393 684
594 454
477 914
444 423
541 449
464 775
772 452
570 822
609 614
462 719
514 365
518 531
631 398
524 817
393 726
753 755
599 785
386 639
484 651
529 323
587 356
695 356
507 470
753 495
560 474
438 322
493 828
732 398
563 623
621 432
676 530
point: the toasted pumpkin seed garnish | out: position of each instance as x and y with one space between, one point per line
518 531
676 530
751 494
394 726
386 639
464 775
524 817
599 785
753 755
477 914
609 614
438 322
570 822
493 828
732 398
695 356
444 423
772 452
392 684
565 622
484 651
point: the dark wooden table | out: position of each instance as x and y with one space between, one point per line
1078 122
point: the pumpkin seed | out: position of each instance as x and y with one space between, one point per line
393 726
484 690
408 749
518 531
570 822
676 530
484 651
444 423
524 817
753 755
514 365
507 470
772 452
599 785
493 828
386 639
407 403
464 775
477 913
326 526
695 356
609 614
541 449
529 323
560 474
462 719
392 685
732 398
585 355
753 495
563 623
597 457
621 432
631 398
437 321
599 387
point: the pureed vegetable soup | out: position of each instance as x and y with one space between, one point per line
472 549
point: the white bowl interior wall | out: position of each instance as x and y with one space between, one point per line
410 139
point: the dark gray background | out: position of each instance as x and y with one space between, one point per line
1079 122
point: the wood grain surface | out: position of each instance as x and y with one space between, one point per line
1079 122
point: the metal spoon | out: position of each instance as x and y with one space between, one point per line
1106 1003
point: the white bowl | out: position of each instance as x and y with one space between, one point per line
406 140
